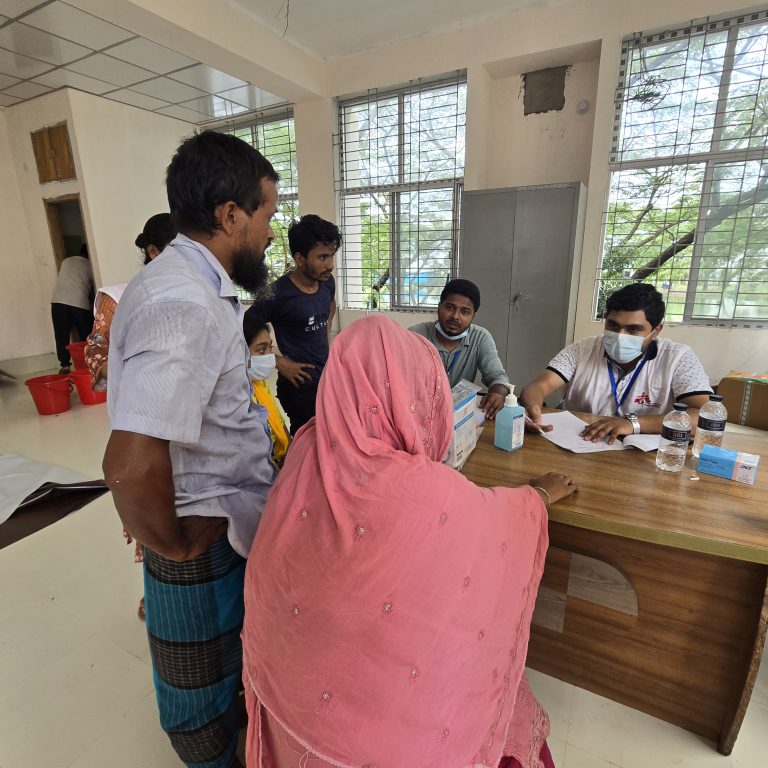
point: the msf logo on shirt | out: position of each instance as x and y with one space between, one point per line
315 324
644 399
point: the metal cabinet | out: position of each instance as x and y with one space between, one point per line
522 248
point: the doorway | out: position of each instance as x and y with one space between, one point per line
65 222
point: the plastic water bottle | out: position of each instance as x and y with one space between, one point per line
673 444
510 424
711 424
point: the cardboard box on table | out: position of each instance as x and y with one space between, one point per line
745 396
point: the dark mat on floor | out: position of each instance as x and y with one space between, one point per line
48 504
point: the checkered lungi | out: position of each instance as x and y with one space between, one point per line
194 619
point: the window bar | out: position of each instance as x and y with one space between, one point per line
395 234
706 189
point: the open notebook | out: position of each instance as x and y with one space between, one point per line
567 429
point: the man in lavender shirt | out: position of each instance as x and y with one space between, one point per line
188 457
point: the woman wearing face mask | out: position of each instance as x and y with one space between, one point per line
259 340
629 376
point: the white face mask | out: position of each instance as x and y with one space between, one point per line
439 328
262 366
623 347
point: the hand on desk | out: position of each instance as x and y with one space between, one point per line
607 428
556 485
533 420
491 404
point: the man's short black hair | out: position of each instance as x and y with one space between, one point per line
312 230
209 169
637 296
464 288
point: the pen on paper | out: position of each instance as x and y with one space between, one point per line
531 421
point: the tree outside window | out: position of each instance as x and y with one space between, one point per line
688 194
401 172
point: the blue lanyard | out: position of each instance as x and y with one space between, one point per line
453 360
616 400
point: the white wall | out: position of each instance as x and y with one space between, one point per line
123 153
547 148
37 266
21 293
120 155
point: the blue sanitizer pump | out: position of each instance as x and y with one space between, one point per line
510 424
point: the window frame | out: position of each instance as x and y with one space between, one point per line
402 186
711 159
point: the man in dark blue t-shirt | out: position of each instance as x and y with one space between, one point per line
300 307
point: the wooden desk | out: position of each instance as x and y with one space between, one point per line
654 592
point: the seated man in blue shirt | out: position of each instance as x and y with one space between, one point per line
465 348
301 306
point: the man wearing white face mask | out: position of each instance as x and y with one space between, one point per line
628 375
466 348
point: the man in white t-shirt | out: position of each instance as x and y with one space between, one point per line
629 376
71 304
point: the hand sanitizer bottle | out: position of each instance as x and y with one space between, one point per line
510 424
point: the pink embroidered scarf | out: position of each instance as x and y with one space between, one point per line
388 599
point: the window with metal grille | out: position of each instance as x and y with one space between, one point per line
688 196
272 133
401 163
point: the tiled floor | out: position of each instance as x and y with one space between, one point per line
75 682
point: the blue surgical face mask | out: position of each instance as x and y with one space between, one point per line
439 328
262 366
623 347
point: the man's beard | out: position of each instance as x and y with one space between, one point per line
248 272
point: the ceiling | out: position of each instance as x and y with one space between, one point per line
331 28
45 46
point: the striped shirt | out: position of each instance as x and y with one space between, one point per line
178 372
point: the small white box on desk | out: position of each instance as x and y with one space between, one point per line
465 429
463 442
732 465
463 402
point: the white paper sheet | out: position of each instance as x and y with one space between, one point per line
20 476
567 430
643 442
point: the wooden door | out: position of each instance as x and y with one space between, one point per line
62 152
46 166
53 154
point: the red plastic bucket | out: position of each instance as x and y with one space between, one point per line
50 393
84 385
77 351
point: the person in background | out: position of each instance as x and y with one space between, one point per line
301 306
628 375
157 233
188 460
388 598
259 341
466 348
71 304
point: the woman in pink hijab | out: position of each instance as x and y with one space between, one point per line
388 599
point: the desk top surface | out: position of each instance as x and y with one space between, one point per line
622 493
